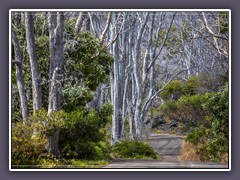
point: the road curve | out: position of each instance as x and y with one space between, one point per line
168 146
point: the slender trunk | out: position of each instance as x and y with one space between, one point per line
56 59
116 119
79 22
138 81
55 74
53 91
19 76
118 74
36 79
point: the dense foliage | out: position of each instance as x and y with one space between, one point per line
86 62
133 149
213 139
187 109
27 149
83 135
205 114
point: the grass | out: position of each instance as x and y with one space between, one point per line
73 163
172 131
88 164
158 131
188 153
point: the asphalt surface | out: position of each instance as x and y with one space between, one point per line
168 146
158 164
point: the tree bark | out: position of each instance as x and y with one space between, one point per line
116 120
36 79
55 74
56 60
79 22
19 76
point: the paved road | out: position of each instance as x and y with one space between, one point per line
158 164
168 146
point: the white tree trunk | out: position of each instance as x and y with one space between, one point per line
19 76
116 120
56 60
36 79
55 73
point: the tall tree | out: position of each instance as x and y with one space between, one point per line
36 79
218 40
56 60
116 86
55 73
19 76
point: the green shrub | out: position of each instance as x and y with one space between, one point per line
190 86
177 88
75 97
49 123
49 163
84 134
188 109
172 131
27 148
86 60
133 149
214 139
172 91
217 107
158 131
169 110
29 138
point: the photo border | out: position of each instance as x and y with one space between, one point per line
120 10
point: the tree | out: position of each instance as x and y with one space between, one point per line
19 75
36 79
217 38
55 73
56 60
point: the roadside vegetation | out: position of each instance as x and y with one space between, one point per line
204 115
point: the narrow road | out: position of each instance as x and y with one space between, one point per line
168 146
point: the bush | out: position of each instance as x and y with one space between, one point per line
86 61
84 134
214 139
158 131
29 138
190 86
75 97
188 109
173 91
169 110
133 149
27 148
177 88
